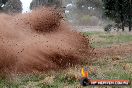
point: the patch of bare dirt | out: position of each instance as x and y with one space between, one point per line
121 49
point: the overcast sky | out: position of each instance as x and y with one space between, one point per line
26 4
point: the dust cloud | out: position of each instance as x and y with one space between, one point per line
39 41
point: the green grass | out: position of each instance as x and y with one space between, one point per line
103 68
91 33
119 69
107 39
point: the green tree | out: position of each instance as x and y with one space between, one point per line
84 5
2 3
118 11
88 9
93 3
37 3
11 6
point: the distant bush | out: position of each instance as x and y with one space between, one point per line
89 20
112 27
85 17
108 27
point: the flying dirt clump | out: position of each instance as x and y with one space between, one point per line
39 41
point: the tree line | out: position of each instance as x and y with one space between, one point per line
118 11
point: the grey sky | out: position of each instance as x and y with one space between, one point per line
26 4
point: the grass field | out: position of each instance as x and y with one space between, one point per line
99 39
109 67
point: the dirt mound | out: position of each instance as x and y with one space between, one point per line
39 41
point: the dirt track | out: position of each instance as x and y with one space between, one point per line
89 28
121 49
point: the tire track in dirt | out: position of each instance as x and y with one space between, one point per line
121 49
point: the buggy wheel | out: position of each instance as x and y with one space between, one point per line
85 82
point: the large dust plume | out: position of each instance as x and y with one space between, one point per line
39 41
